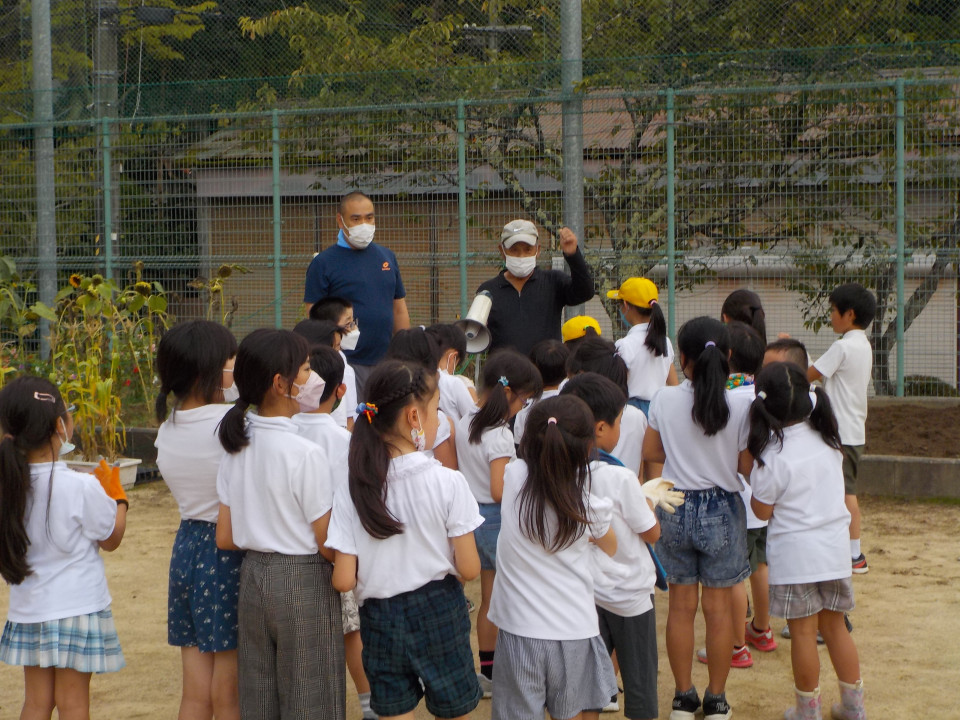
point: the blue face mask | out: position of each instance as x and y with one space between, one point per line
623 318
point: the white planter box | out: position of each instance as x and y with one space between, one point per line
128 469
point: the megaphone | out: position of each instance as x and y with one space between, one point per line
474 325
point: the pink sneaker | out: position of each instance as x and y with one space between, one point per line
740 658
762 641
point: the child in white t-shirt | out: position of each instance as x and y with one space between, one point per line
845 368
645 349
484 447
403 532
315 422
455 398
339 311
549 650
798 487
54 521
699 431
195 364
623 589
550 358
276 494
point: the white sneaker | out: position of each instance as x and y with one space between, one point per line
612 706
486 684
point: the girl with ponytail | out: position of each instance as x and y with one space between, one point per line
53 522
698 430
276 495
744 306
645 349
402 531
195 364
485 445
798 487
549 651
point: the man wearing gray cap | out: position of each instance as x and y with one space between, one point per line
528 302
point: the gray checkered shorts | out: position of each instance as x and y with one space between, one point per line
349 612
806 599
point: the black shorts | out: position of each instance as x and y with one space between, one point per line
635 640
757 547
851 467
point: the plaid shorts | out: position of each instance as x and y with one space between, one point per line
805 599
85 643
419 635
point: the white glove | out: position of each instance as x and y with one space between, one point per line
661 492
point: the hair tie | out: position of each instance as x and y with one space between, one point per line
44 397
762 395
503 381
709 343
551 421
368 410
813 400
652 303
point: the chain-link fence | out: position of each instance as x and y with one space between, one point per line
788 190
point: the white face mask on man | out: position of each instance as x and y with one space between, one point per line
521 267
360 236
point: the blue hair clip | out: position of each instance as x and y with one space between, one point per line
503 381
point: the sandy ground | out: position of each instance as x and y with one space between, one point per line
907 624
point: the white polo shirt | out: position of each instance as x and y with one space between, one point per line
348 405
808 537
646 372
275 487
520 421
323 429
629 449
474 460
538 593
455 399
188 456
846 368
433 503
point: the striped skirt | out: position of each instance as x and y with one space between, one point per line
85 643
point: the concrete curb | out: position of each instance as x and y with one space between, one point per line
909 477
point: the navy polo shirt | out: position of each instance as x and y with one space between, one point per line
520 320
370 279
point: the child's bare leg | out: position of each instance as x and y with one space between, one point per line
353 649
71 694
224 694
38 699
486 630
681 613
760 589
840 645
854 507
195 700
738 613
716 613
803 652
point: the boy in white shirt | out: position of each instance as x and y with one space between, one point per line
340 312
623 591
550 357
455 398
845 369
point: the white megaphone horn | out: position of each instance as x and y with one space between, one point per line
474 325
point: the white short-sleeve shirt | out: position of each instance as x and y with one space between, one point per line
433 503
629 449
520 422
322 429
630 595
696 461
474 460
66 516
808 536
188 456
275 487
753 522
348 405
646 372
455 399
538 593
846 368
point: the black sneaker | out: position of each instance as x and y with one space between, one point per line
716 707
685 705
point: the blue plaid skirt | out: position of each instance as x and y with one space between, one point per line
85 643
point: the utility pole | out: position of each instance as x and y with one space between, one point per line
571 74
43 160
106 98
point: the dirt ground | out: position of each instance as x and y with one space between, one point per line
907 623
932 429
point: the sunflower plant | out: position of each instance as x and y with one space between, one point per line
102 342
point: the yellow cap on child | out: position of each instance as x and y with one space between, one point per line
636 291
576 327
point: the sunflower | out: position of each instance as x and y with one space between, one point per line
75 280
142 287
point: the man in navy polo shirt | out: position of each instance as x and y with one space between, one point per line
528 301
367 275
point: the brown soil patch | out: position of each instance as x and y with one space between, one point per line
914 428
905 628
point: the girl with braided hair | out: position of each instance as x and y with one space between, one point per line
402 530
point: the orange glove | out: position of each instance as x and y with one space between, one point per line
109 478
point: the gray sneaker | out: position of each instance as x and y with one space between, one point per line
486 684
785 633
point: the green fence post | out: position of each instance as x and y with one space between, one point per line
901 221
277 248
671 219
462 200
107 201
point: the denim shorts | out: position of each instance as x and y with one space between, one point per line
642 405
705 541
486 535
421 635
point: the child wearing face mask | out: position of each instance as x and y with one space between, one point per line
455 398
339 311
276 493
53 522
